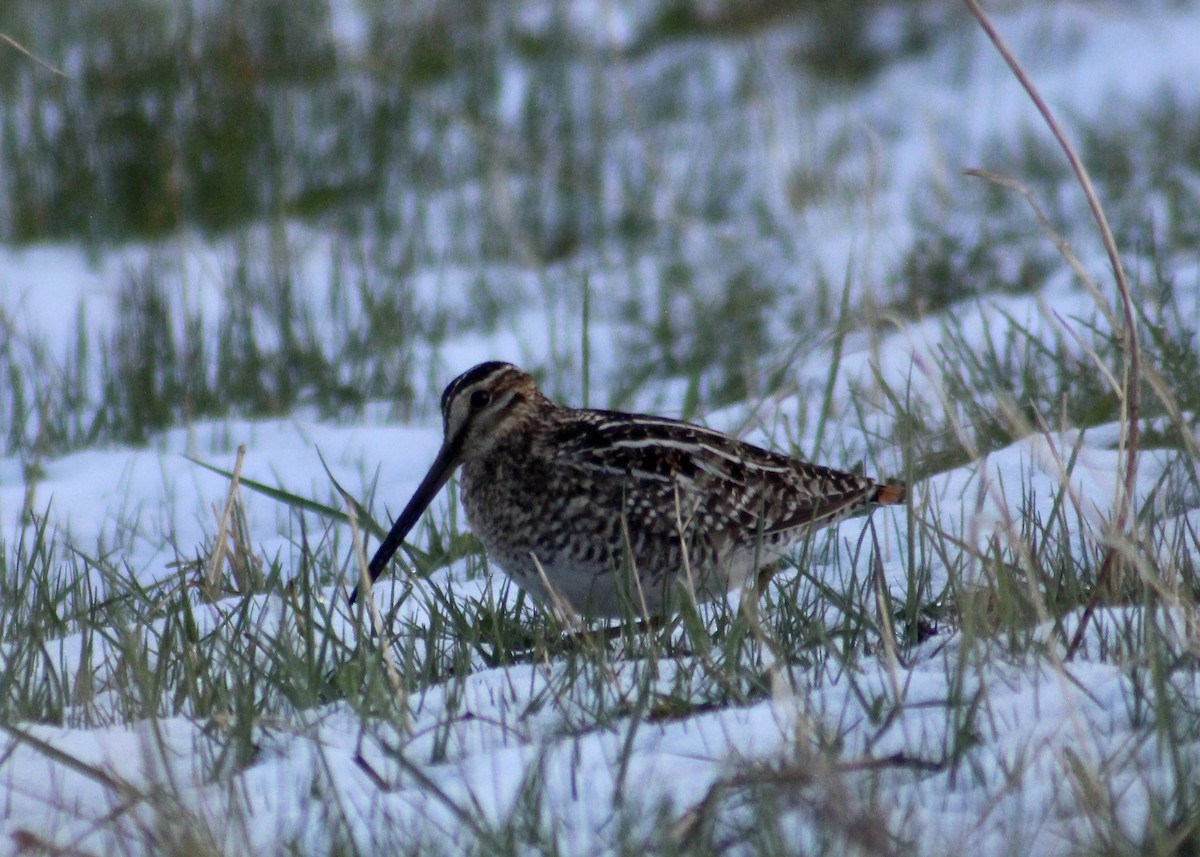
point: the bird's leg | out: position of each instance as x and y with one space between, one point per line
765 574
644 625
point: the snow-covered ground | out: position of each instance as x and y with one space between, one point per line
955 747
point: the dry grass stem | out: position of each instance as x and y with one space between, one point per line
1123 530
212 581
385 646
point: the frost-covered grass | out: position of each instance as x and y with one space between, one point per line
741 215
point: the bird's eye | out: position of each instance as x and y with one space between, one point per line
480 398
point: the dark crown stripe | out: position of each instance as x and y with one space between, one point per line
472 376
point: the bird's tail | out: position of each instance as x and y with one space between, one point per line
887 495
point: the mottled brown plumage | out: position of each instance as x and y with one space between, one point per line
596 495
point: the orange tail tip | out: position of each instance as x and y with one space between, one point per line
886 495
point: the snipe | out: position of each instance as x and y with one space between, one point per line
614 509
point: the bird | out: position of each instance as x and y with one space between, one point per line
605 513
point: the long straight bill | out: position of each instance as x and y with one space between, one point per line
438 475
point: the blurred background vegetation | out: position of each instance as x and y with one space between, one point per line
211 113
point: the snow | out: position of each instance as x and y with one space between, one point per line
1058 741
1048 728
